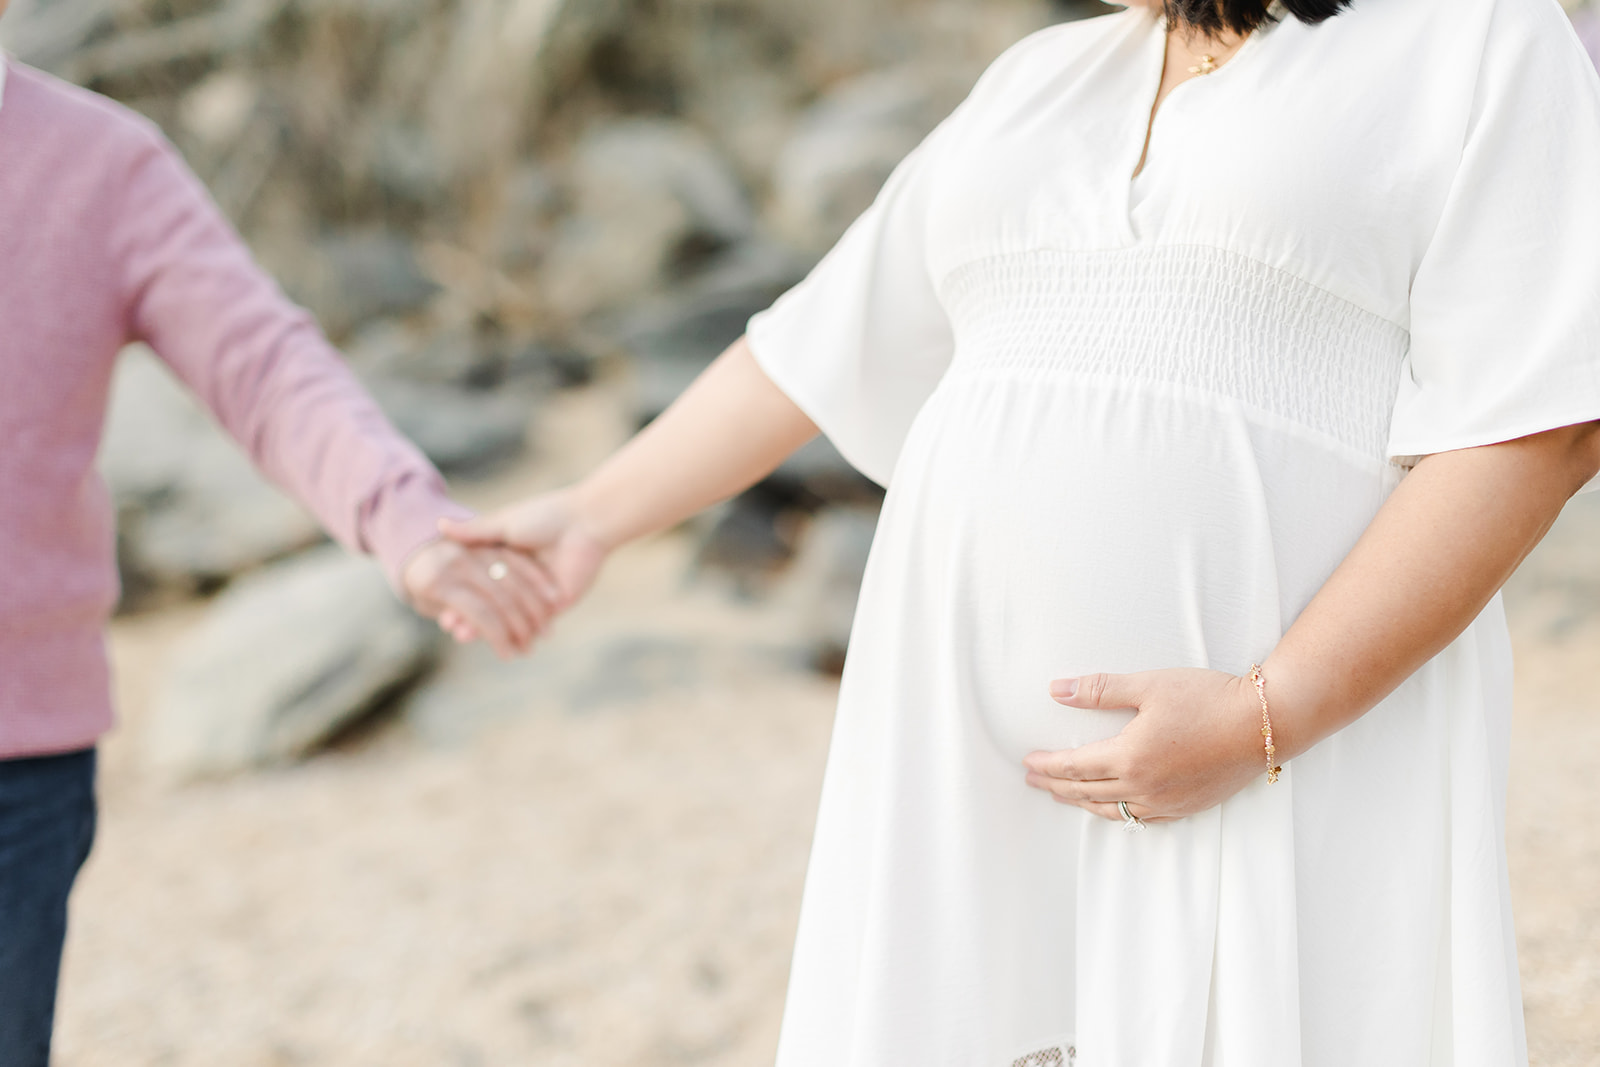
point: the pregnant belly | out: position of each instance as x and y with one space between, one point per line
1070 532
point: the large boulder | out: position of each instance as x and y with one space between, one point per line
816 475
45 33
286 659
747 541
473 354
650 200
356 276
672 341
673 336
462 431
192 511
845 147
824 582
586 673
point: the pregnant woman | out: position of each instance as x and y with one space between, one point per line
1221 361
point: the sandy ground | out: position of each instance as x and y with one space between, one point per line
617 885
1552 833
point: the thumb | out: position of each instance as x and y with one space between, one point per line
1103 691
479 530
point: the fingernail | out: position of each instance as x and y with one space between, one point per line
1064 688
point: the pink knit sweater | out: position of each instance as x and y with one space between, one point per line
106 238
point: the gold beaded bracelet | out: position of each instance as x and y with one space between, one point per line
1260 682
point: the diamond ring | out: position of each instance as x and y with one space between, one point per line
498 571
1130 822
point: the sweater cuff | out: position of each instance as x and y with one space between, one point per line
402 518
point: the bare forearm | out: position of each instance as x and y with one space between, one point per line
1438 551
729 430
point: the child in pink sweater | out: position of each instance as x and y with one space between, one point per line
107 238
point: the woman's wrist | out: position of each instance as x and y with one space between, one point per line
1245 721
596 514
1304 706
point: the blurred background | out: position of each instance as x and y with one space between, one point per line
330 838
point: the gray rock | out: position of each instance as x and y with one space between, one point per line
449 354
817 474
286 659
386 348
407 164
473 690
667 159
599 673
672 338
583 671
749 106
672 342
566 675
151 429
824 582
358 276
530 200
549 365
475 357
224 521
132 52
464 354
749 540
461 431
844 148
495 70
761 269
192 510
45 32
651 199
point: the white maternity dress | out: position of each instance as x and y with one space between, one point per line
1128 425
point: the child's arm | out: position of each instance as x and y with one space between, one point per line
193 292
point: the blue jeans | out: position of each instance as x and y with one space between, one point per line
47 817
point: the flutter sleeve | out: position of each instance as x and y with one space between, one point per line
861 343
1505 302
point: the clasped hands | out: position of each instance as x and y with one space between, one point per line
503 578
1195 742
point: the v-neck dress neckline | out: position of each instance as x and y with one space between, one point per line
1215 84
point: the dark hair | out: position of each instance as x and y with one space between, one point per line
1244 16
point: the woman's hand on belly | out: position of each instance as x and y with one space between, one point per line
1195 742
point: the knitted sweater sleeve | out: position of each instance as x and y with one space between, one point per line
261 365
